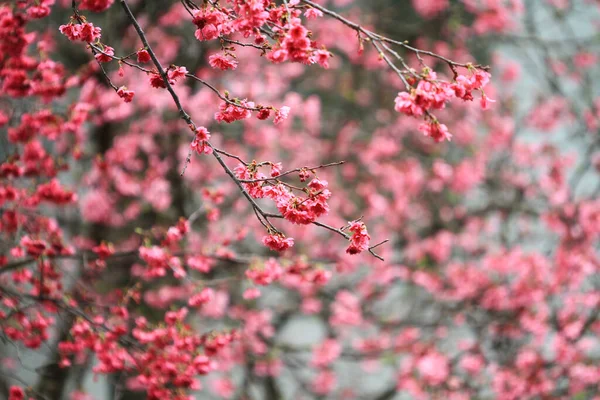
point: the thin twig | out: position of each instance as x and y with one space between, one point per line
274 178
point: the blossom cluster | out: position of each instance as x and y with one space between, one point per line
169 356
359 241
433 94
84 32
292 39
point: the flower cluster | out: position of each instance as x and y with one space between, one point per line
125 94
158 261
326 353
210 23
293 41
16 393
302 210
433 94
85 32
229 112
265 273
176 233
251 15
301 275
298 210
359 241
52 192
168 359
278 242
281 115
95 5
222 62
199 144
173 74
305 210
465 85
40 9
295 46
203 297
103 251
31 329
428 95
143 56
435 130
106 55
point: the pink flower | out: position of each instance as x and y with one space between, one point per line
156 259
126 95
480 79
71 31
304 211
203 364
281 115
38 11
585 60
359 241
200 263
156 81
346 310
217 307
251 293
313 13
485 102
265 274
405 103
472 364
436 131
16 393
89 32
97 206
175 73
206 295
276 169
321 57
176 233
430 8
277 242
173 317
304 174
143 56
224 387
251 16
324 382
311 306
219 61
86 32
95 5
53 192
210 23
229 112
263 114
326 353
106 54
511 72
433 368
199 144
277 55
104 250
